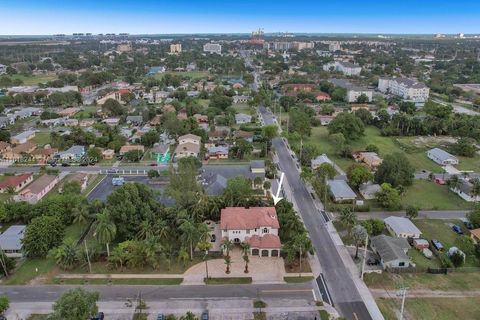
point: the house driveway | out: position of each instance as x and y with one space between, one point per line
261 269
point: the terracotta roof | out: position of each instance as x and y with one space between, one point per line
476 233
267 241
44 152
14 181
189 136
188 146
24 147
39 185
243 134
238 218
4 145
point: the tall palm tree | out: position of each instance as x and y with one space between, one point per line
105 229
152 251
227 245
348 219
246 259
162 229
80 215
302 243
205 246
66 255
476 189
359 235
453 182
189 235
183 256
146 230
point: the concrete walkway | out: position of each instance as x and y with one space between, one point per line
392 294
423 214
118 276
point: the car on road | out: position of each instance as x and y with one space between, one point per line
437 245
112 171
153 164
204 315
456 228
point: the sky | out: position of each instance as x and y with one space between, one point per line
43 17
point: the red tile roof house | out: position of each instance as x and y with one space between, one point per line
257 226
37 189
17 182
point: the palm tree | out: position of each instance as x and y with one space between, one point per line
189 235
80 215
66 256
162 229
227 245
476 189
146 230
359 236
152 250
246 250
105 229
348 219
183 256
205 246
228 262
453 182
302 243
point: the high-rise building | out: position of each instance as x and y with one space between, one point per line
408 89
175 48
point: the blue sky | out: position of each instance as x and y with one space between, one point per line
215 16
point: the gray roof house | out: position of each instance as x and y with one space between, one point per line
257 166
442 157
11 241
323 158
369 190
241 118
402 227
215 185
341 191
73 153
135 120
392 251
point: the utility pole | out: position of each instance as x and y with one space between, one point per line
88 257
403 293
2 261
364 257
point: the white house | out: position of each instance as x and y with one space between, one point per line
341 191
242 118
36 190
257 226
189 138
442 157
212 48
3 69
408 89
465 191
402 227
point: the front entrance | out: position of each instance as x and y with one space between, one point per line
236 240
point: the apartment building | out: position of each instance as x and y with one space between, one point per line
408 89
353 91
347 68
175 48
212 48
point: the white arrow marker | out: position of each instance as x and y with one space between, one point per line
277 197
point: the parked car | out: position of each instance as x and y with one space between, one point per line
204 315
99 316
112 171
372 261
467 224
437 245
457 229
153 164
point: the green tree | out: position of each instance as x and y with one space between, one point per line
43 234
183 186
105 229
358 174
238 191
75 304
364 115
183 256
348 124
466 244
372 148
411 212
362 98
94 155
226 246
133 156
388 197
80 215
228 263
359 234
457 259
374 227
339 94
395 170
245 252
66 255
474 217
72 187
4 304
112 107
347 219
150 138
153 173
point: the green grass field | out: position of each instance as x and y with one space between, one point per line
242 108
41 138
428 195
297 279
386 145
239 280
193 75
130 282
26 272
34 79
431 308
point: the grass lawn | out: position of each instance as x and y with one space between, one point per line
431 196
4 197
452 281
26 271
431 308
38 317
238 280
41 138
136 281
386 145
194 75
242 108
34 79
297 279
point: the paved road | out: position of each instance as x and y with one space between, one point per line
82 169
345 295
50 293
425 214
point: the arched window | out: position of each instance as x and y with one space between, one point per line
265 230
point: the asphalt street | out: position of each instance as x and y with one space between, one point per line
344 293
49 293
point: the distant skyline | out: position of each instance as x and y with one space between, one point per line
44 17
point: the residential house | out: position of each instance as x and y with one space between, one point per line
341 191
218 152
465 191
392 251
187 149
257 226
20 151
475 235
242 118
22 137
135 120
402 227
68 112
16 182
442 157
371 159
323 158
241 99
189 138
240 134
115 95
155 70
111 121
369 190
217 135
175 48
131 147
43 155
295 88
4 147
5 121
200 118
108 154
86 122
3 69
212 48
11 241
36 190
75 152
182 114
156 120
322 97
325 120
